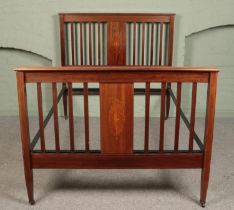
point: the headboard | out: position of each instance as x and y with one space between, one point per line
116 39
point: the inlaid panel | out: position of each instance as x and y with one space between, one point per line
116 117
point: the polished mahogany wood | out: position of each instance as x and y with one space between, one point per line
81 43
152 44
117 76
56 123
99 44
192 118
116 17
117 161
116 43
116 106
116 117
177 120
71 117
208 138
107 66
143 45
123 67
162 114
86 116
147 115
25 136
90 45
134 43
40 116
72 43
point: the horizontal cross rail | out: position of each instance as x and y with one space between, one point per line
134 161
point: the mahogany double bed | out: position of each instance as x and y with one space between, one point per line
117 51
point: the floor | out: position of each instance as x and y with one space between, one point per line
116 189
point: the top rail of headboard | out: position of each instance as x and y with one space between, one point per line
119 17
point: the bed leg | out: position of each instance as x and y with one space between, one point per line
168 102
204 186
29 184
65 102
25 136
208 139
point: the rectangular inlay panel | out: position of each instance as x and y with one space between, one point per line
116 102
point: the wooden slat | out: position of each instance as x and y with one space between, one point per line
90 44
134 43
177 120
143 44
72 43
55 109
62 40
152 44
159 160
81 43
162 115
99 45
40 116
147 113
160 44
192 118
86 116
170 41
76 44
71 118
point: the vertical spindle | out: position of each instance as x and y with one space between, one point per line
160 45
143 44
147 113
55 110
152 44
72 43
177 120
40 115
86 116
192 117
90 44
81 43
71 118
162 114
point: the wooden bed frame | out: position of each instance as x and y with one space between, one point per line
116 80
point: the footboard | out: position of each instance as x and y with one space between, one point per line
116 90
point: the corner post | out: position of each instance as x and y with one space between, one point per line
208 138
25 137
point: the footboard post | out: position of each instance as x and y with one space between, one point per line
208 139
25 137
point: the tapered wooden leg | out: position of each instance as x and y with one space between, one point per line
168 102
204 185
29 182
65 102
25 136
208 138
